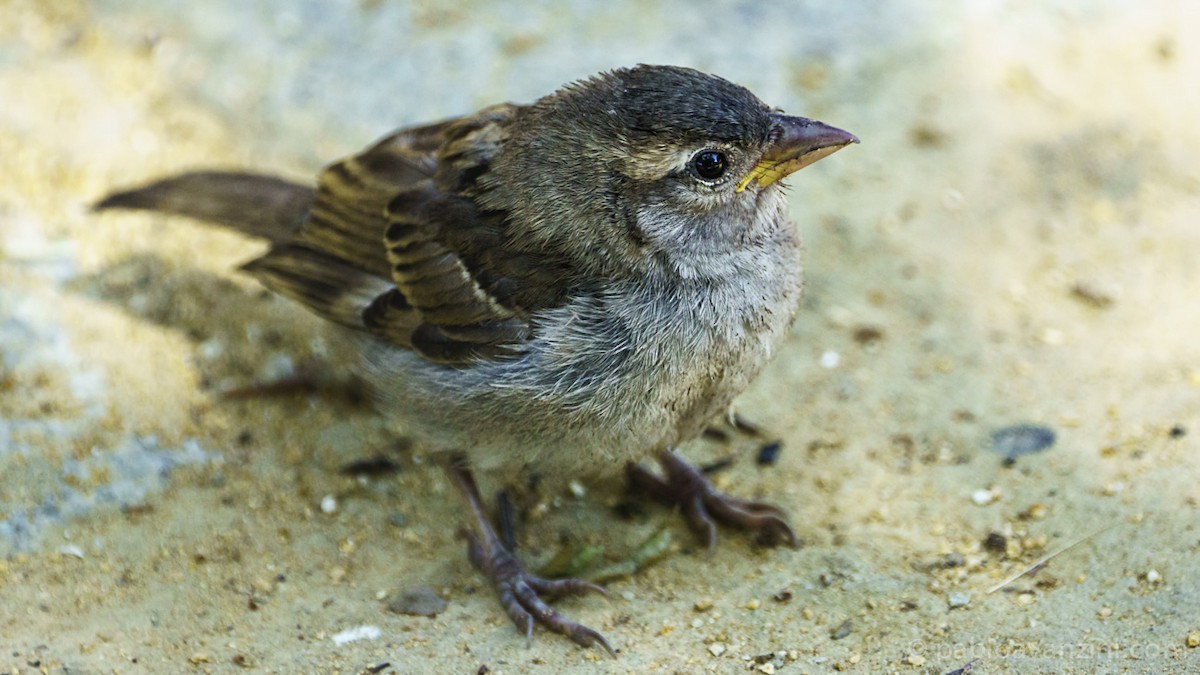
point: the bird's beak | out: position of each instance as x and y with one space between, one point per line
797 142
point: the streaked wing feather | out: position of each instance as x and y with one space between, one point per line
395 245
330 286
347 218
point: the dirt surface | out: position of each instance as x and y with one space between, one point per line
1016 241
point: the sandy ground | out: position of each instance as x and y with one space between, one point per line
1015 241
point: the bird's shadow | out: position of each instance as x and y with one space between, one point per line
237 330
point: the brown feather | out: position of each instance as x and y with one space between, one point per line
392 242
260 206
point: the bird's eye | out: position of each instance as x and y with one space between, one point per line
710 164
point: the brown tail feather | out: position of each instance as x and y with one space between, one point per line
261 206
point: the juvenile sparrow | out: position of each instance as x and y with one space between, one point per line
575 284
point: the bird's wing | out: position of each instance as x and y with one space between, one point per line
396 245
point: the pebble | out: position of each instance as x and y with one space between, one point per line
1022 439
278 366
355 634
956 600
1094 294
417 601
1036 511
329 504
983 497
1193 639
768 454
71 550
703 605
716 649
830 359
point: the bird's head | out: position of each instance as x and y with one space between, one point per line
664 161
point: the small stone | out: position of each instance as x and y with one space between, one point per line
1036 511
1022 439
753 605
830 359
915 660
329 504
1193 639
768 668
355 634
768 454
956 600
337 574
1105 612
1094 294
577 489
1153 577
996 542
703 605
868 335
983 497
417 601
70 550
843 630
716 649
278 366
199 657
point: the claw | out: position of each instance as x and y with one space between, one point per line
704 506
518 591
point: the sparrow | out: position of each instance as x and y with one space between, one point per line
574 285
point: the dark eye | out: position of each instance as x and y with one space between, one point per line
710 164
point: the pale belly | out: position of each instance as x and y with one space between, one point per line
606 382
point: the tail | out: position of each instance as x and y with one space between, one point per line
260 206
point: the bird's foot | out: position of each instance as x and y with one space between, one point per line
519 591
521 594
704 506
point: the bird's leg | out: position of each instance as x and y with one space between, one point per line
704 506
519 591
